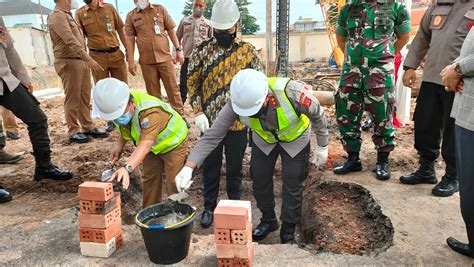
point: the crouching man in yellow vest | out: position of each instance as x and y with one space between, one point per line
158 132
280 112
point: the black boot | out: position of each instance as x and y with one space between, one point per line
352 164
264 228
207 218
448 185
110 127
424 175
382 168
46 170
287 233
460 247
367 124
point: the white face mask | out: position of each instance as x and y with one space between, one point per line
74 4
142 4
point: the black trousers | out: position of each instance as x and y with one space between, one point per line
433 123
183 80
234 144
294 171
464 155
25 107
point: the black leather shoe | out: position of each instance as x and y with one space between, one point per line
287 233
367 124
447 187
264 228
51 172
424 175
110 127
94 133
382 171
207 218
6 158
5 196
13 135
79 138
352 164
460 247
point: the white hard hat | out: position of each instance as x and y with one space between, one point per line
225 14
111 98
248 91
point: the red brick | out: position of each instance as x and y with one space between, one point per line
100 235
99 221
242 262
227 251
119 240
100 207
237 203
225 262
241 237
232 218
95 191
222 236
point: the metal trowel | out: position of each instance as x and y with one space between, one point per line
178 197
107 174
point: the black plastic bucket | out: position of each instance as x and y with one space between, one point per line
167 244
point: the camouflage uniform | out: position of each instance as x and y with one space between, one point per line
370 29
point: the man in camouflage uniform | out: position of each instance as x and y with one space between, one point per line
371 33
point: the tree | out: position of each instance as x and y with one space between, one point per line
248 22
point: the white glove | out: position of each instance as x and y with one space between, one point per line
202 122
320 156
183 179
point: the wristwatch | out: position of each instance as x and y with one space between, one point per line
128 168
457 68
405 68
179 49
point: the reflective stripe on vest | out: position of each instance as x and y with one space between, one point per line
169 138
290 125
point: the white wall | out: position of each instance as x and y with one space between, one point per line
34 19
303 45
33 46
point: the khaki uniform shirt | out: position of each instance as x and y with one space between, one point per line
100 26
149 26
12 70
443 29
191 32
67 38
152 122
303 102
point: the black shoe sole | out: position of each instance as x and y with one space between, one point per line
11 161
382 178
358 169
413 182
6 199
265 236
97 136
77 141
443 194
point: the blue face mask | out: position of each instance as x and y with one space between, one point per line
124 119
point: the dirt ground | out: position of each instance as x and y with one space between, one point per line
40 223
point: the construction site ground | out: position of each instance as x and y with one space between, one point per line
39 227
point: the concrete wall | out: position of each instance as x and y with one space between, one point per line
33 46
34 19
303 45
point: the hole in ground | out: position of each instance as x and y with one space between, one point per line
343 218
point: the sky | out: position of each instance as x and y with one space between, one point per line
303 8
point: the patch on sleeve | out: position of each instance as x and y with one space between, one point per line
305 100
273 101
145 123
469 25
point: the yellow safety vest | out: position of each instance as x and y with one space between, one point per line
290 125
172 135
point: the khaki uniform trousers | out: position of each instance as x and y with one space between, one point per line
154 165
153 73
76 78
9 120
113 65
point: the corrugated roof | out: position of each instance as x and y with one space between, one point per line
21 7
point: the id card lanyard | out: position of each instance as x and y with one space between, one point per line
156 26
108 25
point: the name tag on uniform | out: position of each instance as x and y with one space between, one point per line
109 26
157 29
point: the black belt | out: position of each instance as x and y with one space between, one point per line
108 51
77 58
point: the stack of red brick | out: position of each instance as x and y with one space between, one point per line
233 233
100 224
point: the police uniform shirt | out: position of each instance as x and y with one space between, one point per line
442 31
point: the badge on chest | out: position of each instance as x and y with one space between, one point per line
156 26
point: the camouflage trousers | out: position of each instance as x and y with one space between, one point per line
2 135
350 105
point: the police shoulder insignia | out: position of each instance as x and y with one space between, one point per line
305 100
437 20
145 123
